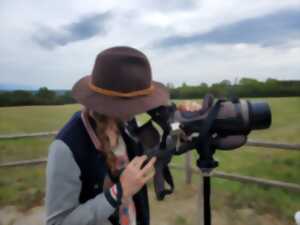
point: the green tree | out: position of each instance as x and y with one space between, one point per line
44 96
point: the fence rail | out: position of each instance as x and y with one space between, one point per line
247 179
267 144
189 170
23 163
253 143
27 135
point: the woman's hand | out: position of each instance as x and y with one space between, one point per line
189 106
134 177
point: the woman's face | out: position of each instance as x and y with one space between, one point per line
113 126
113 132
126 118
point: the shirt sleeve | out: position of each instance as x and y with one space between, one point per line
63 187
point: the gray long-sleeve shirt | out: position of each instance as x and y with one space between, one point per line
63 187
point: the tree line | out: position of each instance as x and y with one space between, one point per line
43 96
246 87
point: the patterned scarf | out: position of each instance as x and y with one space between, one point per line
127 212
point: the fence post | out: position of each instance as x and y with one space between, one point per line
188 167
200 213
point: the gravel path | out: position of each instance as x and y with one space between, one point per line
176 210
9 215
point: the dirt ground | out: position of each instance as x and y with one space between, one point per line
161 215
10 215
182 209
175 210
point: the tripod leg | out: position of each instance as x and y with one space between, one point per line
200 212
206 200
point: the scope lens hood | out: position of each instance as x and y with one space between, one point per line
259 115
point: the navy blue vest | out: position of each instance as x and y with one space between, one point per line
93 167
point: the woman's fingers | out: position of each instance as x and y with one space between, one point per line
148 166
148 176
147 171
196 106
135 160
189 106
132 178
138 161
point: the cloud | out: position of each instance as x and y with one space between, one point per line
268 30
83 31
85 28
170 5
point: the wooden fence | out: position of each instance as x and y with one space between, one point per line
253 143
188 168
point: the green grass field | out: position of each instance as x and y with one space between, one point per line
25 186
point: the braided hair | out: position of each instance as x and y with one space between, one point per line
102 124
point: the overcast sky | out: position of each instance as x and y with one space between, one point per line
54 43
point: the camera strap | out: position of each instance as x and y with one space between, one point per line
162 148
160 190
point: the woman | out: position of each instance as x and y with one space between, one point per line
94 171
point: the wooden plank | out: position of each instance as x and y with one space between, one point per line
229 176
256 180
23 163
23 135
266 144
188 167
247 179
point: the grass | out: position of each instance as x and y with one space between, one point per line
29 119
21 186
25 187
24 149
285 121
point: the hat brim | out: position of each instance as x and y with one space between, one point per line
119 107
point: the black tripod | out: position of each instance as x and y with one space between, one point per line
206 164
205 146
206 143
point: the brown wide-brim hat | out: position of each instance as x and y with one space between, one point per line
120 85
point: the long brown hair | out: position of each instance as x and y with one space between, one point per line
102 123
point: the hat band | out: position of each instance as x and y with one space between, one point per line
108 92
